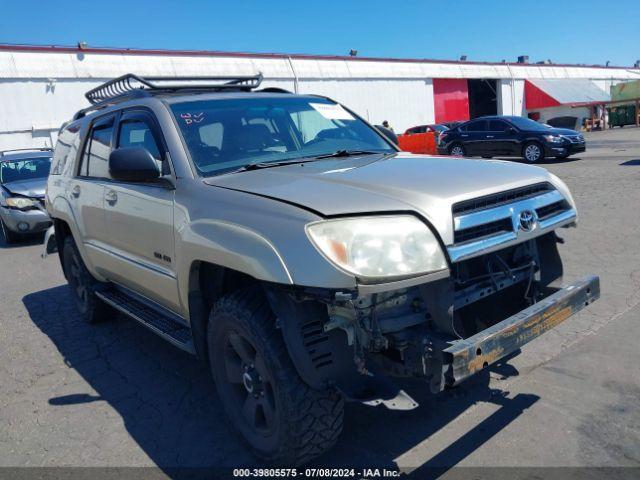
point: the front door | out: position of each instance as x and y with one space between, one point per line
499 139
139 219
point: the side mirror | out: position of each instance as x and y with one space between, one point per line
511 130
133 164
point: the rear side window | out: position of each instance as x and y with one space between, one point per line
498 126
66 150
479 126
95 161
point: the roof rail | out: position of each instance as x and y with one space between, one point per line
34 149
130 83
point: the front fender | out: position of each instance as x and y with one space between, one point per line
231 246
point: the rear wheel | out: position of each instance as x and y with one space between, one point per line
9 236
83 285
457 150
533 152
279 416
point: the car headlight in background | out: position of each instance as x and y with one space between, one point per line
380 246
553 139
20 202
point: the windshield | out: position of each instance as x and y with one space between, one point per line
527 124
224 135
24 169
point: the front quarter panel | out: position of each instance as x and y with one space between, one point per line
258 236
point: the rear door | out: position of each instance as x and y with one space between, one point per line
139 218
86 189
475 137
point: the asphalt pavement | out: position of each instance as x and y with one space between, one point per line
115 395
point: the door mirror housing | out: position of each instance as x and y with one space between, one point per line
133 164
511 130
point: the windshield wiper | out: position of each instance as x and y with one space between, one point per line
307 159
347 153
261 165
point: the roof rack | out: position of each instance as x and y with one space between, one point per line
34 149
131 83
133 86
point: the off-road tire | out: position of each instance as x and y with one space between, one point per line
9 236
307 422
83 285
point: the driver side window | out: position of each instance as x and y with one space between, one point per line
137 132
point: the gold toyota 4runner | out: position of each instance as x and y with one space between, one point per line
291 246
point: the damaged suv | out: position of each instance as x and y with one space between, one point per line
289 245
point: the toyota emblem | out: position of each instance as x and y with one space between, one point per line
527 221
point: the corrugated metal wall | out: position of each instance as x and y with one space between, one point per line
41 89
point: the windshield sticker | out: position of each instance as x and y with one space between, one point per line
332 111
190 118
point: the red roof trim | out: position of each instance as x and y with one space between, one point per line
297 56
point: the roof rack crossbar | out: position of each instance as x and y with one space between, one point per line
34 149
132 84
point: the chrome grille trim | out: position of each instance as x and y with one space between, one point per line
501 198
555 211
505 211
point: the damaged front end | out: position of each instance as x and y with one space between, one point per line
443 331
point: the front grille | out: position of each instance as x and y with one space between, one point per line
482 231
494 221
551 209
574 138
502 198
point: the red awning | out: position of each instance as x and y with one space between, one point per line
545 93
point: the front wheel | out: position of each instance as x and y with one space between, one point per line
533 152
280 417
457 150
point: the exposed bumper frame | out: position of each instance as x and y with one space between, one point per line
468 356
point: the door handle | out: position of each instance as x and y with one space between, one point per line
489 136
111 197
464 135
75 191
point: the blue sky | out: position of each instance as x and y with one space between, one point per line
565 31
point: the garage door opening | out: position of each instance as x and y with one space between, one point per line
482 98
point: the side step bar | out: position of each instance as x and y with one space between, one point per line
160 321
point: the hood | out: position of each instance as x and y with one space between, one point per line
423 184
33 187
563 131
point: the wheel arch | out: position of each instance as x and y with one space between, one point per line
207 283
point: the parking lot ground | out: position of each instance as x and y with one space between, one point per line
115 395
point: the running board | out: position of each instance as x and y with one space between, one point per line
164 323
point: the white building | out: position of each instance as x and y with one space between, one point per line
41 87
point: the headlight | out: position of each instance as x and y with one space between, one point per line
378 247
20 202
553 139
